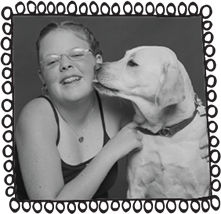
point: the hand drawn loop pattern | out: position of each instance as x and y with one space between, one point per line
94 8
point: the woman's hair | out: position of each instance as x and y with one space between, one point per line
80 31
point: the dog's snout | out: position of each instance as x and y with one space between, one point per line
98 67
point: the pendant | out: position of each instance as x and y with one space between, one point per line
81 139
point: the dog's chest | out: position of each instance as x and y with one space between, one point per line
167 167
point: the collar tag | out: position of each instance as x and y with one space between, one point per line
199 106
201 110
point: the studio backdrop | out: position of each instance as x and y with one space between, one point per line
116 35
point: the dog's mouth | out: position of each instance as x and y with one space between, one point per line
102 88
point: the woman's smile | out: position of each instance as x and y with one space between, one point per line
71 80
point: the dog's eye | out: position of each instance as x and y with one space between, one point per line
132 63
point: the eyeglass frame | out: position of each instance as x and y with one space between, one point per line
67 55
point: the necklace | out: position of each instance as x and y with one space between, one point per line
81 138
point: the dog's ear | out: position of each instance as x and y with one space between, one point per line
172 88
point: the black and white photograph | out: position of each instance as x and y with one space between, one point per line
114 107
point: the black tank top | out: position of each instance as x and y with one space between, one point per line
71 171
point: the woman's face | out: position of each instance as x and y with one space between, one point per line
69 80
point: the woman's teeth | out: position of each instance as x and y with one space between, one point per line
71 80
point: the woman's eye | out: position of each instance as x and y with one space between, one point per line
51 62
131 63
77 54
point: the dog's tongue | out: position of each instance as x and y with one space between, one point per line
94 80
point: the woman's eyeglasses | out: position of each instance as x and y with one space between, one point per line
74 54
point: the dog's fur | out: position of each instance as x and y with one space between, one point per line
162 94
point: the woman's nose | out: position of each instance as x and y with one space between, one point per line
65 63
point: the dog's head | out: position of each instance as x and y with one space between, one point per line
148 73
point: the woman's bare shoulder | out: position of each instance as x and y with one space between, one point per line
36 104
35 116
35 108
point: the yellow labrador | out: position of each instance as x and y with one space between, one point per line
171 121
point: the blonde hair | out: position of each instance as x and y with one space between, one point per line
80 31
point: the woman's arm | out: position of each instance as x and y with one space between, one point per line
41 164
39 159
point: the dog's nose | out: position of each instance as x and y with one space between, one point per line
98 67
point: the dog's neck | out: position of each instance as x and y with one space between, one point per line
155 118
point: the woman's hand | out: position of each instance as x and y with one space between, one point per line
125 141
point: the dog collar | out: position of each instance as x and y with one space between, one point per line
171 130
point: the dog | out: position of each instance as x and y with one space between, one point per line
171 120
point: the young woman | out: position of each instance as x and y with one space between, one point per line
68 141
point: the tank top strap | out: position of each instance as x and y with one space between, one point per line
56 116
106 137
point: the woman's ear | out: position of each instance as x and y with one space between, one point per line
99 58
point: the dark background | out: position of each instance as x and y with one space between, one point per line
116 35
